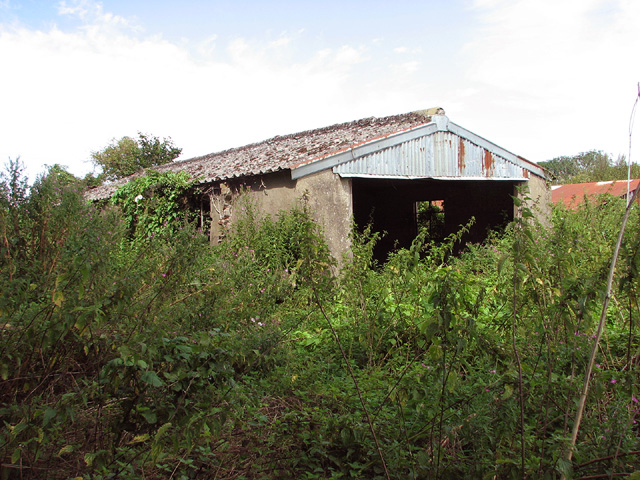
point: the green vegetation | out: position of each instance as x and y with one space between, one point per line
128 156
430 217
130 353
155 204
591 166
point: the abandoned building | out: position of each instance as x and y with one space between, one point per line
394 173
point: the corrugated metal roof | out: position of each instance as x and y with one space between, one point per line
440 149
420 144
573 194
441 155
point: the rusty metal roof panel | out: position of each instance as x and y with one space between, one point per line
478 162
417 144
406 159
438 155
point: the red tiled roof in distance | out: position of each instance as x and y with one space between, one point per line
572 195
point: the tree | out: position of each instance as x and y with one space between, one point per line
34 220
591 166
14 187
14 194
127 156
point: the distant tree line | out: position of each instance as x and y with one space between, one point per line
591 166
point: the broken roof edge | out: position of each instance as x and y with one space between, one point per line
105 191
437 123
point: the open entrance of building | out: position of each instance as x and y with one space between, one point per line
430 217
400 207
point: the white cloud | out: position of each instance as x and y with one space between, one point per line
540 78
78 8
70 92
405 68
93 13
570 65
207 47
349 56
280 42
406 50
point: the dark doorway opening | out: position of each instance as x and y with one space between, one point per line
430 215
399 207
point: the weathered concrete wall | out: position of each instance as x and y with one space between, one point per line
536 195
327 196
330 200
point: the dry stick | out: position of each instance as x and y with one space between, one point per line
599 331
604 475
610 457
355 382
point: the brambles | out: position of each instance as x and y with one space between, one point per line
157 355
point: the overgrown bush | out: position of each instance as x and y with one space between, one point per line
159 356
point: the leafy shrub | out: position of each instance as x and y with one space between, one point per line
157 355
155 203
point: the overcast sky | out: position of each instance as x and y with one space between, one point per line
541 78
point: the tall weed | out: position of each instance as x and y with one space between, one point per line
157 355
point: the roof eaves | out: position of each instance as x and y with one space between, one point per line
414 177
